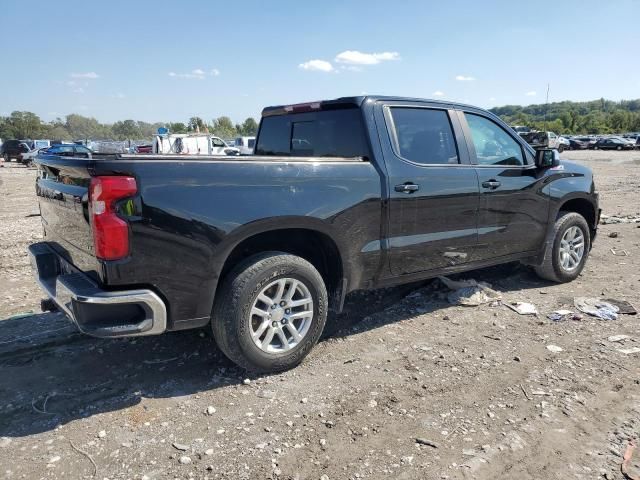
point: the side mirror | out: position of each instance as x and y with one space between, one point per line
547 158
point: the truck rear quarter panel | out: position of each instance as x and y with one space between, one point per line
191 214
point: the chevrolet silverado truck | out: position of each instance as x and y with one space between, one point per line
341 195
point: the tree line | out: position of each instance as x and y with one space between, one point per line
27 125
597 116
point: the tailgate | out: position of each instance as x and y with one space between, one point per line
62 187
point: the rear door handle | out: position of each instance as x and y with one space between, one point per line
493 184
407 188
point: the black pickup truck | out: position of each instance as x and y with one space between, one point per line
341 195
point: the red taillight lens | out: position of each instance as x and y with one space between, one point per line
110 232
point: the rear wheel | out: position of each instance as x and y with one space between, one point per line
568 250
270 312
6 157
618 147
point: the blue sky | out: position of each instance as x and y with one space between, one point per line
168 61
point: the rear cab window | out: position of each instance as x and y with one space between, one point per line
322 133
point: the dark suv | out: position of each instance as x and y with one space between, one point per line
13 149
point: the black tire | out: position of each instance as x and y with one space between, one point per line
6 157
551 269
561 149
231 316
618 147
596 148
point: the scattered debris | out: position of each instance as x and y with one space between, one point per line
629 351
102 434
608 219
596 307
469 292
428 443
554 348
618 338
210 410
562 315
626 461
246 381
619 253
525 392
184 460
624 307
523 308
82 452
180 446
613 235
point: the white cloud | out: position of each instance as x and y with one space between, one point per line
462 78
118 95
438 93
532 93
91 75
316 66
196 73
354 57
78 90
492 99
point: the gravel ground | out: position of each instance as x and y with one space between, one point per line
478 386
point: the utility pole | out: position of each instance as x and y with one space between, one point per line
546 107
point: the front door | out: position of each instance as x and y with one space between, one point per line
433 189
514 211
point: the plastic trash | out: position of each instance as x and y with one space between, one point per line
469 292
596 307
624 307
523 308
561 315
618 338
629 351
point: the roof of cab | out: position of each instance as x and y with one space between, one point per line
355 101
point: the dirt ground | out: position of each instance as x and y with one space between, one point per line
478 385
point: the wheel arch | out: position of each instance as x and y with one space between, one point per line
305 239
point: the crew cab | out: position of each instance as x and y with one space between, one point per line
340 195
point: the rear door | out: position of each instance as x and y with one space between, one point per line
433 189
513 213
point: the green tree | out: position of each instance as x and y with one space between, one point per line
127 130
249 127
177 127
196 124
223 127
24 124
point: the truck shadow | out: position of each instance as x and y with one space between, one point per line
51 375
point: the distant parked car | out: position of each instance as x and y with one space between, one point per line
613 144
245 145
144 148
540 140
13 149
578 144
69 150
563 144
27 158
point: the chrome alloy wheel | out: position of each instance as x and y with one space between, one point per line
571 249
281 315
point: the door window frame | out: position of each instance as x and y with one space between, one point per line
527 154
458 136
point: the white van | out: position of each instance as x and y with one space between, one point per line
245 145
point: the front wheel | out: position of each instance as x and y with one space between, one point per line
6 157
618 147
568 250
270 312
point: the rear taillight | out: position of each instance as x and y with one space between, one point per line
110 232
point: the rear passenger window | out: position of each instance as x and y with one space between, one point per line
493 145
424 136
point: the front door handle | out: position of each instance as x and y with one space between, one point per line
492 184
407 188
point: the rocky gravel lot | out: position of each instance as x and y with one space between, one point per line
409 387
